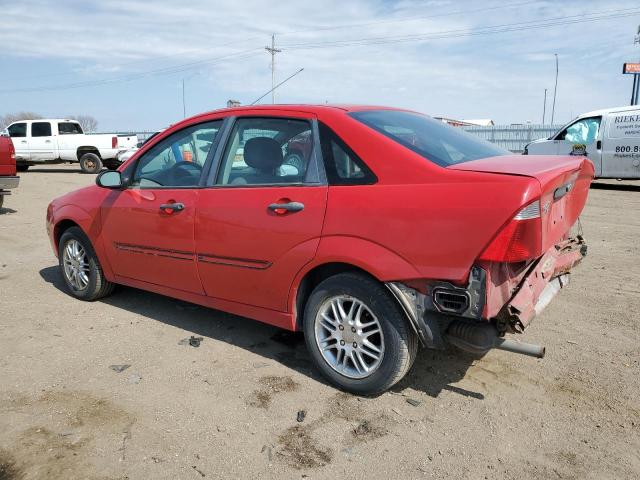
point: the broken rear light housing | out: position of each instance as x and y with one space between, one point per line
520 239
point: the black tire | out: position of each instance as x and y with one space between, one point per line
97 286
1 200
90 163
399 340
112 164
22 168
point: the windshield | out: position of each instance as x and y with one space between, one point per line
434 140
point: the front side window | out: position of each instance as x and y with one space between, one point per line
584 131
40 129
18 130
436 141
69 128
178 160
264 151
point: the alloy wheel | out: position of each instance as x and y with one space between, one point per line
76 264
349 336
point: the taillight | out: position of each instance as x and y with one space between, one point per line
12 151
520 239
114 142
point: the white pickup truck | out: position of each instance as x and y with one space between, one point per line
58 140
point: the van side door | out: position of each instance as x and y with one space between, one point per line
584 131
621 145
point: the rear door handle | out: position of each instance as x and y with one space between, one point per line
172 207
282 208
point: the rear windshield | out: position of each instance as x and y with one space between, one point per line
434 140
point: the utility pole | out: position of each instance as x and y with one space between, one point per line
273 50
555 88
544 107
635 91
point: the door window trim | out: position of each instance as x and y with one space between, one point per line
315 168
130 170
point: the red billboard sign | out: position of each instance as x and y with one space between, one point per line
631 68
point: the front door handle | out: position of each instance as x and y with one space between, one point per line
282 208
599 145
171 207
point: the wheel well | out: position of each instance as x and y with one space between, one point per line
61 227
82 150
314 277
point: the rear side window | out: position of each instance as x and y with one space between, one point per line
440 143
40 129
18 130
342 165
69 128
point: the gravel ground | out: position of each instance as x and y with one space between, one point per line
229 408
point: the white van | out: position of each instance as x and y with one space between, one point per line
611 137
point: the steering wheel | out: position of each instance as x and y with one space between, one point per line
181 169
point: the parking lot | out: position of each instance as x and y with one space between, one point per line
230 407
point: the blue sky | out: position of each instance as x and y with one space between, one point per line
123 61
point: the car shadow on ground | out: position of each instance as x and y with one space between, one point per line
432 372
6 210
625 187
50 170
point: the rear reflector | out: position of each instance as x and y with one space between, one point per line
520 239
114 142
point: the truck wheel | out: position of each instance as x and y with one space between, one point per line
357 334
80 266
112 164
22 168
90 163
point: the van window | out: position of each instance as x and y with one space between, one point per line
40 129
584 131
624 124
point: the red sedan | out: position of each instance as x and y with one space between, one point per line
386 230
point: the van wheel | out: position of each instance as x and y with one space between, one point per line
358 335
22 168
90 163
80 266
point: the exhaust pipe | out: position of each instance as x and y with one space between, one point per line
479 338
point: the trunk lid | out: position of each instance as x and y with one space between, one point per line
564 185
7 157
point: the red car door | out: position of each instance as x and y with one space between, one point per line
260 221
148 227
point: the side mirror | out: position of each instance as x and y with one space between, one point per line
109 179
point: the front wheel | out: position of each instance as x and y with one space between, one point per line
358 335
80 266
90 163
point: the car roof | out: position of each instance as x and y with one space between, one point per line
305 108
47 120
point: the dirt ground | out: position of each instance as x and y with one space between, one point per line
229 408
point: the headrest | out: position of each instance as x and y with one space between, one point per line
263 154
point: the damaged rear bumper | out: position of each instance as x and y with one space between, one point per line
499 301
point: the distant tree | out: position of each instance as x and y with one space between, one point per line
88 123
9 118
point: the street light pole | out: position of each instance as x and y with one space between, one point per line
544 107
184 108
555 88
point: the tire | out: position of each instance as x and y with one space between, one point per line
90 163
22 168
397 342
112 164
93 285
1 200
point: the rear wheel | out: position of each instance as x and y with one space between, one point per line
90 163
357 334
22 168
80 266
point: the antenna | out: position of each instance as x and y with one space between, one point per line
276 86
273 50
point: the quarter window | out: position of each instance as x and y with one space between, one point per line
18 130
178 160
40 129
342 165
265 151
